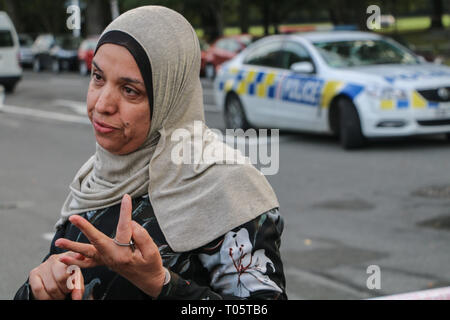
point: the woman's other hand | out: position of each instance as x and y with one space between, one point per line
142 267
53 280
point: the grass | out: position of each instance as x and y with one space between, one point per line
415 23
414 30
404 24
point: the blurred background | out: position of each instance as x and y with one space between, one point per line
385 205
419 24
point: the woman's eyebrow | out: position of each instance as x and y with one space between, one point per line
124 79
131 80
96 65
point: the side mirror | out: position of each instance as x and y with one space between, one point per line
302 67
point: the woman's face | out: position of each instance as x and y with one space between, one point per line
117 102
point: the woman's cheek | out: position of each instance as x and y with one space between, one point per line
91 100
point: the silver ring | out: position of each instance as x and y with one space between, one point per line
129 244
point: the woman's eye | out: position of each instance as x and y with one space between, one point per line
96 77
130 92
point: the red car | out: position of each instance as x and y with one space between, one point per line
86 53
223 49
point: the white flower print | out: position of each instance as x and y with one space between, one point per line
235 270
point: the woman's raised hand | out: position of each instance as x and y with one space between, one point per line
142 267
54 280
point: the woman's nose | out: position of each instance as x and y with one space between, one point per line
107 101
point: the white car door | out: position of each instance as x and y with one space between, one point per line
300 93
257 84
8 54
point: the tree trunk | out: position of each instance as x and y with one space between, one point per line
95 17
332 16
212 20
266 16
360 14
243 16
11 9
353 13
436 17
114 8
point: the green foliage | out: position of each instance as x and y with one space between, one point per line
214 17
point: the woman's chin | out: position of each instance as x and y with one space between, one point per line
114 148
108 145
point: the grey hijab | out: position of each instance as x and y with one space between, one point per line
193 203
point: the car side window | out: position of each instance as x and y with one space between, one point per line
233 46
294 52
222 44
267 55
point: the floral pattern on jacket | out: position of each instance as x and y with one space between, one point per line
238 270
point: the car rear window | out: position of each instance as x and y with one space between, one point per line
6 39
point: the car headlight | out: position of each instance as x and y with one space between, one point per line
387 93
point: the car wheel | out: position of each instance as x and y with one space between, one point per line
37 65
235 117
9 88
210 71
56 66
83 68
350 133
447 136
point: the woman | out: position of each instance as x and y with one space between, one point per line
137 223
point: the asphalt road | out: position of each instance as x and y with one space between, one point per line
386 205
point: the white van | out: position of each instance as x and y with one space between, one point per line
10 69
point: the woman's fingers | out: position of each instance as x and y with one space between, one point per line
37 287
75 255
55 280
143 240
97 238
87 250
77 294
76 282
82 263
60 276
123 232
49 279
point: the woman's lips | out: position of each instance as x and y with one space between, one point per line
102 127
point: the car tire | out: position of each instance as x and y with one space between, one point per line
37 67
210 71
56 66
447 136
82 67
235 117
350 133
9 88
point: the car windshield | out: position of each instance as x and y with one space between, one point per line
245 39
341 54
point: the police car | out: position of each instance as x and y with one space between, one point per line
353 84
